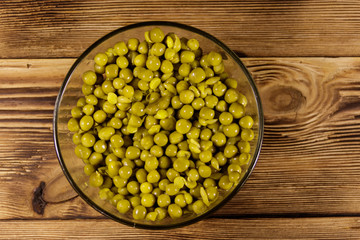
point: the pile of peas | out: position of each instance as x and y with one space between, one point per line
161 128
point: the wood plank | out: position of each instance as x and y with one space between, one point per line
256 28
308 165
268 228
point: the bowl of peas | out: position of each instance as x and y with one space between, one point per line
157 125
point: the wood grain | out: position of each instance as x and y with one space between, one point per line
308 166
266 228
255 28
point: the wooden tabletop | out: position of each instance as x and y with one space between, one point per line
305 59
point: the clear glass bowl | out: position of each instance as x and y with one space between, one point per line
70 91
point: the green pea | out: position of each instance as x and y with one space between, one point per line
247 134
88 140
237 110
120 48
168 124
186 112
175 211
175 137
113 168
153 63
86 123
181 164
81 102
161 139
186 96
214 58
73 125
176 103
224 182
133 187
126 74
82 152
207 113
89 169
197 75
231 83
76 112
204 171
101 59
109 108
198 103
110 158
87 89
183 126
76 138
181 86
143 47
221 106
226 118
163 200
146 187
156 151
164 161
96 179
135 201
140 60
88 109
151 163
193 133
231 95
96 158
244 146
99 116
231 130
139 212
100 146
147 142
219 139
212 193
209 73
123 206
111 71
106 132
162 213
187 57
125 172
122 62
246 122
193 44
132 152
133 44
120 182
153 176
148 200
128 91
158 49
157 35
166 66
199 207
211 101
184 146
89 77
205 156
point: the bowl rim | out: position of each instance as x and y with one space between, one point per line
255 157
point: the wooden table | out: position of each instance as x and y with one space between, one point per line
304 57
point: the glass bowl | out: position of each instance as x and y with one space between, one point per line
70 91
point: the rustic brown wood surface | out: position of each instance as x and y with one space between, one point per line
305 59
252 28
308 166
